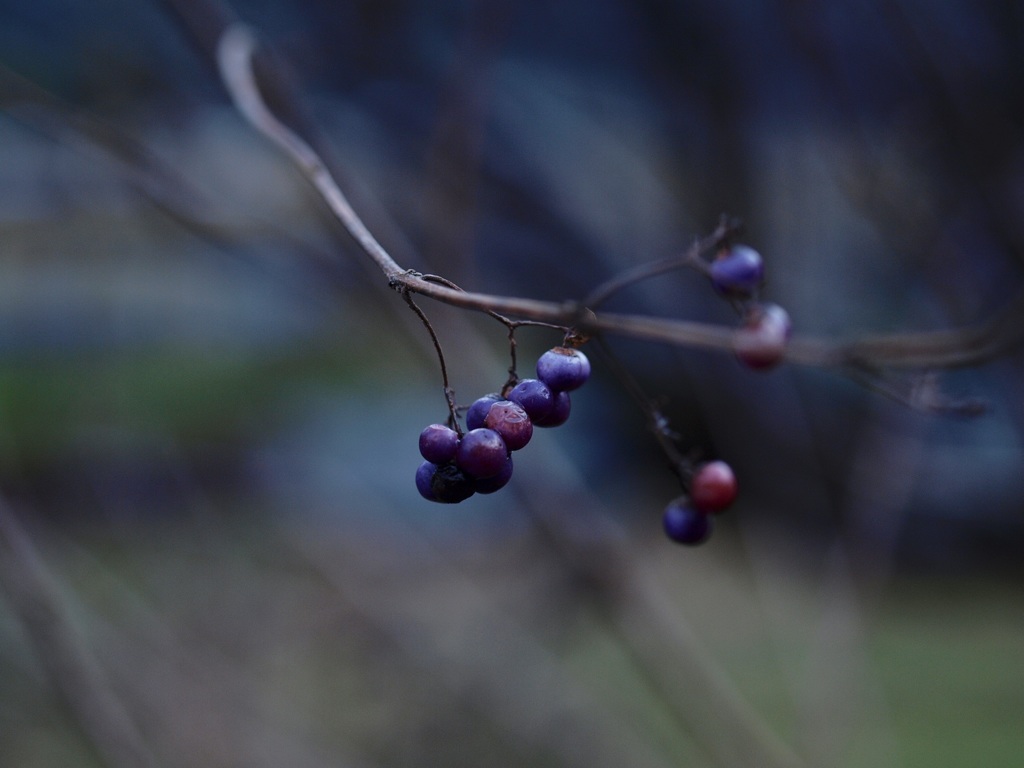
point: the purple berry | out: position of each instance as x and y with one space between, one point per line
496 483
481 453
534 396
438 443
559 413
445 484
424 480
563 369
761 341
685 524
478 410
739 269
510 421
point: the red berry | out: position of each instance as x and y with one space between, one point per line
510 421
761 341
713 487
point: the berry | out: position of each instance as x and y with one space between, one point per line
563 369
445 484
424 480
510 421
478 410
535 397
451 485
481 453
739 269
559 413
685 524
438 443
496 483
761 341
713 487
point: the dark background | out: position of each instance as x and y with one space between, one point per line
207 393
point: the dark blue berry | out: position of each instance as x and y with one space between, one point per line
740 269
478 410
559 413
481 453
445 484
496 483
534 396
451 485
510 421
563 369
684 524
438 443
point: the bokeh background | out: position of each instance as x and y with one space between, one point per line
210 401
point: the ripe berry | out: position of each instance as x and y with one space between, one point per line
496 483
424 480
481 453
761 341
534 396
510 421
686 525
478 410
713 487
739 269
438 443
563 368
559 413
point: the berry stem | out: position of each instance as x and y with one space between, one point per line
449 393
657 423
692 258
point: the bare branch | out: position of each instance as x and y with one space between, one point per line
934 349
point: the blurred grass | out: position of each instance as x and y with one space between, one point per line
196 396
951 660
226 616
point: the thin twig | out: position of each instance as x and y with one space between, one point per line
680 465
692 259
449 393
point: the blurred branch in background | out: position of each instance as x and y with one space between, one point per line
70 665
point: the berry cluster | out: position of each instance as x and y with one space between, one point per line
737 272
689 519
456 465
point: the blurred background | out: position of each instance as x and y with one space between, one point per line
210 400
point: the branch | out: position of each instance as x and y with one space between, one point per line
934 349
